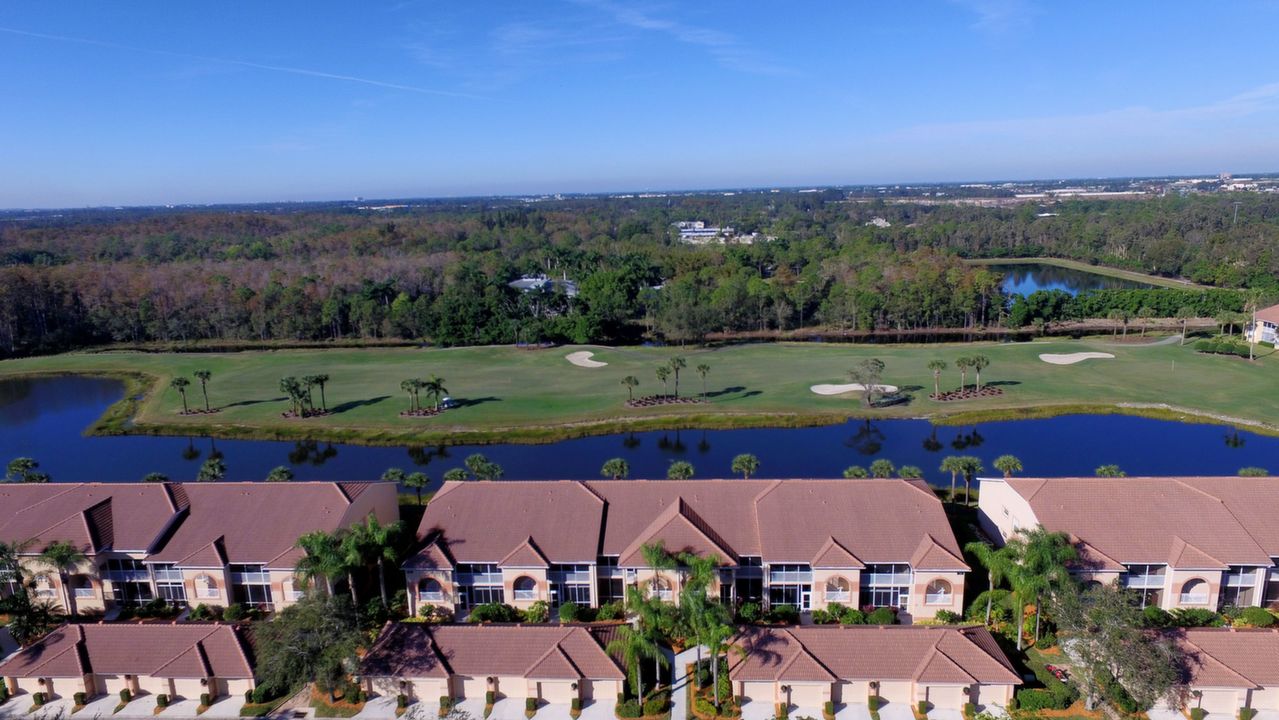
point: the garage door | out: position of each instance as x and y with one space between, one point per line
1221 702
895 692
474 687
113 684
188 688
946 697
556 691
759 692
1267 699
808 696
154 685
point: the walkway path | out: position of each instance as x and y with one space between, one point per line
680 679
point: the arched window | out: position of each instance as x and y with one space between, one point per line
938 593
1194 592
838 589
660 588
525 588
430 589
206 587
44 586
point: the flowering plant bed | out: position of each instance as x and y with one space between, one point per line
966 394
655 400
425 412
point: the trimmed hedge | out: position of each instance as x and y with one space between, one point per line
1197 713
162 700
1247 713
125 695
629 709
206 699
79 698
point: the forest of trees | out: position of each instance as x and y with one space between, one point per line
438 272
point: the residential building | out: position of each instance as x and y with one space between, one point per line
1266 326
805 543
181 660
551 663
805 667
1226 669
193 543
1193 542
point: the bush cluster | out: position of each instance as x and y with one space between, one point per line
162 700
206 699
1222 347
1256 617
494 612
836 613
629 709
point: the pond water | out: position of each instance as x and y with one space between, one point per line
1026 279
44 419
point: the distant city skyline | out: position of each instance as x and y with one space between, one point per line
154 103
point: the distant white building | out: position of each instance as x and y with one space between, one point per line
542 283
1266 328
879 222
697 232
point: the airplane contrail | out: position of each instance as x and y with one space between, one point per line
242 63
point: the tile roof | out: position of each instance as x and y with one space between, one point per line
543 652
177 650
795 521
817 653
1270 314
1188 522
525 554
92 516
1226 657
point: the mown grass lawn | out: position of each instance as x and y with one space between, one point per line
508 393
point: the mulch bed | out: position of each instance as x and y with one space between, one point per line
425 412
198 411
967 394
308 414
655 400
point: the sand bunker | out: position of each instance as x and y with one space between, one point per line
1072 358
583 359
849 387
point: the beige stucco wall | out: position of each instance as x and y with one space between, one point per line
196 595
822 575
187 688
604 691
763 692
855 692
509 576
896 691
1265 699
919 608
941 697
445 578
234 688
1178 578
1001 511
154 685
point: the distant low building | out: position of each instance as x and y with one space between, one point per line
542 283
1266 328
697 232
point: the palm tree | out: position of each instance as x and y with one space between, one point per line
1184 314
882 468
631 383
703 369
1109 471
979 363
321 558
910 472
322 379
212 469
373 540
61 556
716 637
963 364
971 467
677 363
291 387
1144 314
204 376
435 388
280 473
954 465
394 475
308 382
455 475
1041 558
855 472
11 564
481 468
416 481
615 468
635 647
1008 464
937 366
21 469
746 464
411 386
997 563
155 477
679 470
663 372
180 384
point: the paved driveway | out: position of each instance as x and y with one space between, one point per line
506 709
896 711
20 706
758 710
381 707
227 707
140 707
101 706
854 711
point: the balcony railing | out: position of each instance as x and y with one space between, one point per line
168 575
1144 582
437 596
1193 598
886 579
938 599
128 576
251 578
82 593
582 576
525 594
790 576
837 596
480 578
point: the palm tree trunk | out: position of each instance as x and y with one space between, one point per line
66 592
1036 619
350 581
381 577
715 674
952 486
205 390
323 402
1019 616
990 593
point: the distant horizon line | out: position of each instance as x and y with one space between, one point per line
633 192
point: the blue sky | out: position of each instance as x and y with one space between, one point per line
171 102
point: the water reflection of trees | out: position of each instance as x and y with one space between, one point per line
867 440
970 439
1234 439
190 452
931 443
424 455
310 452
630 442
703 445
665 443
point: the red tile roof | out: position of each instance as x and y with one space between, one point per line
794 521
92 516
1270 314
178 650
894 652
543 652
1226 657
1190 522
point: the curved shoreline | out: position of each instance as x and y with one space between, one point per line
119 419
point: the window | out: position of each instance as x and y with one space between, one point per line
206 587
749 589
479 584
938 592
1271 599
790 584
886 585
570 584
1194 592
525 588
44 586
1237 586
1146 582
611 589
838 589
82 587
430 590
251 585
130 581
168 583
659 588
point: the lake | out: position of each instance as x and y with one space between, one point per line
44 419
1026 279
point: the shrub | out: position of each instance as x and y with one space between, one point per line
79 697
203 612
610 611
575 704
785 614
248 695
1197 617
530 705
435 614
656 704
750 612
38 699
829 709
999 602
162 700
1247 713
923 707
4 693
446 703
538 612
1120 698
783 711
206 699
970 710
1047 640
494 612
874 702
233 612
1034 699
824 617
629 709
490 697
1197 713
1156 617
568 612
852 616
125 695
1257 617
948 617
882 616
263 693
401 701
704 707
